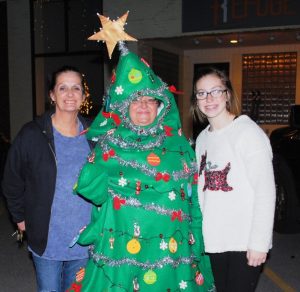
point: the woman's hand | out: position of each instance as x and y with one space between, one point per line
256 258
21 226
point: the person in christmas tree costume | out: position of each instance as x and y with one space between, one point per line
146 228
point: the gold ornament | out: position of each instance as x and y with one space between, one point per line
172 245
133 246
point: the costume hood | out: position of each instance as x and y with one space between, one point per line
134 78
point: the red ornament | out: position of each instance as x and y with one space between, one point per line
199 279
108 154
80 275
186 168
182 194
153 159
138 187
173 89
195 181
91 157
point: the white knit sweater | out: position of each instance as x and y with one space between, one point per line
236 187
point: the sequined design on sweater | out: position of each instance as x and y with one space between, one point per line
214 180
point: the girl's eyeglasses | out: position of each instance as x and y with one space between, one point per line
216 93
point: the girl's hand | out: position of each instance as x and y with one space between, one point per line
256 258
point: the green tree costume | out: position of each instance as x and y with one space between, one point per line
145 232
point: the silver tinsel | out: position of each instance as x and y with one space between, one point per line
119 141
100 258
177 175
123 49
150 171
142 167
149 207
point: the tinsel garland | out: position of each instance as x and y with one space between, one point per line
119 141
138 166
177 175
123 49
149 207
99 257
183 174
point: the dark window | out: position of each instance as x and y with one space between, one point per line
269 86
60 32
166 65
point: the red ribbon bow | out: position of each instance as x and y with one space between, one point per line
163 176
176 215
108 154
75 288
111 115
168 131
118 202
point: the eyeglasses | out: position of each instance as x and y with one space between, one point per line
148 101
216 93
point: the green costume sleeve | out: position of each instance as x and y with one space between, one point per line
92 183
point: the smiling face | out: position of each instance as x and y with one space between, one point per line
143 111
214 108
68 92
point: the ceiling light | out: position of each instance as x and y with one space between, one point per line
234 41
271 38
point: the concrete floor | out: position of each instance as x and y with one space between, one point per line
281 272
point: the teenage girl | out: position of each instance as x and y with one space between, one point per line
236 185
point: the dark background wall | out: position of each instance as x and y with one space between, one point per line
4 91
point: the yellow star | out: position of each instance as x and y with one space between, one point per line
112 32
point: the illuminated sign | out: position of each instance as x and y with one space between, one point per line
198 15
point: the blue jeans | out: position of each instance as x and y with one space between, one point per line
56 276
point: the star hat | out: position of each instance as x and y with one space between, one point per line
112 32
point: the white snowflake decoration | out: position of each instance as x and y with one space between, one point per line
119 90
103 123
122 182
183 285
172 196
163 245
